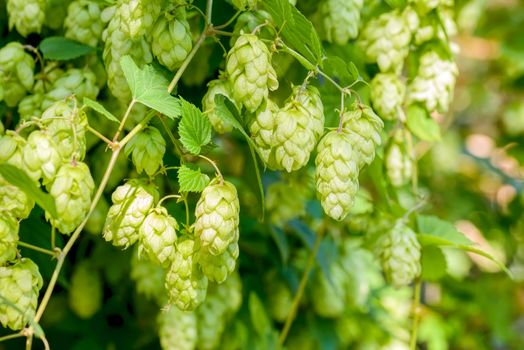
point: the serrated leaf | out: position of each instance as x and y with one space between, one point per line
61 49
422 125
149 87
441 231
20 179
100 109
433 263
194 128
336 67
192 180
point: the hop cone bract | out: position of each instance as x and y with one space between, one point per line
387 94
16 73
83 22
41 155
27 16
8 237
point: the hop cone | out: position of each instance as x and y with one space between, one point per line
15 201
19 284
147 149
337 173
16 72
363 127
66 125
131 203
27 16
434 83
71 189
280 298
78 82
86 290
249 70
177 329
185 284
286 200
171 39
218 267
216 87
149 279
385 40
11 152
248 21
31 106
8 238
399 253
117 44
158 236
138 16
329 293
83 22
222 302
387 95
262 129
399 166
41 156
341 20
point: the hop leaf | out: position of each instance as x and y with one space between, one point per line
191 180
194 128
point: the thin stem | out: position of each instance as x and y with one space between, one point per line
36 248
214 166
171 138
300 292
11 336
99 135
413 157
186 204
136 129
229 21
416 315
29 342
209 12
221 32
186 62
341 116
53 237
123 122
167 197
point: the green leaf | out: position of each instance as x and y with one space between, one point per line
259 318
296 30
422 125
396 3
100 109
440 231
433 263
191 180
149 87
346 73
19 178
61 49
194 128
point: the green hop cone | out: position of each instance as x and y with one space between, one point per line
249 70
387 94
78 82
216 87
399 166
217 268
177 329
11 152
86 290
217 217
262 129
16 73
221 303
248 21
329 292
364 128
185 283
66 124
41 156
83 22
279 296
131 203
15 201
147 149
117 44
71 189
341 19
399 254
31 106
171 39
158 236
19 285
434 82
138 16
385 40
337 172
149 279
8 238
27 16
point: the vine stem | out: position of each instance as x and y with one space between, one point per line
188 59
123 122
11 336
300 291
167 197
212 162
36 248
99 135
416 315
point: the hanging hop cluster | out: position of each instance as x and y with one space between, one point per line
287 137
83 22
398 163
27 16
387 94
177 329
171 38
158 236
385 39
16 73
138 16
216 87
249 70
19 285
341 20
216 229
434 82
131 203
399 254
147 149
78 82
